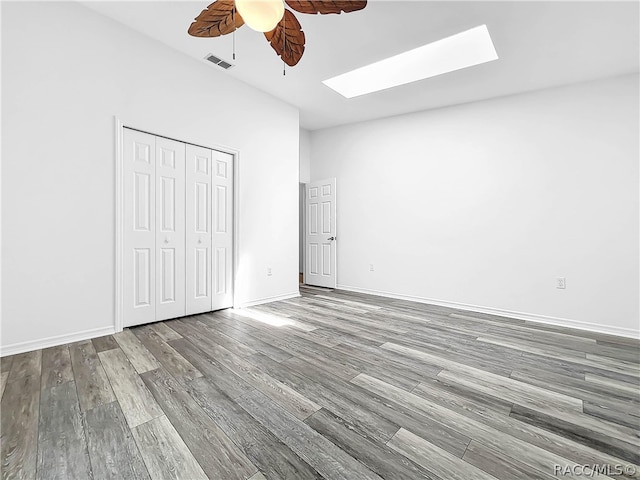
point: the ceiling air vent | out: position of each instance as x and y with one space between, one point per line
218 61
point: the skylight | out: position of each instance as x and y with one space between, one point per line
462 50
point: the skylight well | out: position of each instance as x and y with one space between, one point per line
465 49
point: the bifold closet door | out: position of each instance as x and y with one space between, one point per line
222 295
178 231
154 230
198 222
139 184
170 229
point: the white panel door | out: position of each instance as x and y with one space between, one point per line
139 228
222 253
170 229
198 224
321 234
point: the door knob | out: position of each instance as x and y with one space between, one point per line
331 238
199 240
166 239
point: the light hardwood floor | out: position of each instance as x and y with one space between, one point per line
331 385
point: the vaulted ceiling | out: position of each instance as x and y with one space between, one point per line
540 44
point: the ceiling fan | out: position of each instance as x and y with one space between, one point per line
279 25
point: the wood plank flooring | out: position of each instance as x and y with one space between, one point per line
333 385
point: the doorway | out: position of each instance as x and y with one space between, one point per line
320 252
301 230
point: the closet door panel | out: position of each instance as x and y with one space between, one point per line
139 293
222 180
170 229
198 225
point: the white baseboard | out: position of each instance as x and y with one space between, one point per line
55 340
531 317
276 298
99 332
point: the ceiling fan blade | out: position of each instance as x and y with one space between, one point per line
287 39
326 6
217 19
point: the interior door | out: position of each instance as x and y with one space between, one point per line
222 167
139 294
320 242
170 229
198 225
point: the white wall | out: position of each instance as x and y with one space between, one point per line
485 204
305 156
61 86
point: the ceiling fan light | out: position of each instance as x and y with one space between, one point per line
261 15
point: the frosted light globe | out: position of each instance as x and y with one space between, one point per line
261 15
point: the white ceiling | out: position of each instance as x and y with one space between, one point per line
540 44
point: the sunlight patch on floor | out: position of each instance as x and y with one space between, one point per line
266 318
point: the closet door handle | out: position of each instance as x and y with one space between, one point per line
166 239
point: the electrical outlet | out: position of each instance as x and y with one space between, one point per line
268 271
371 267
561 282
